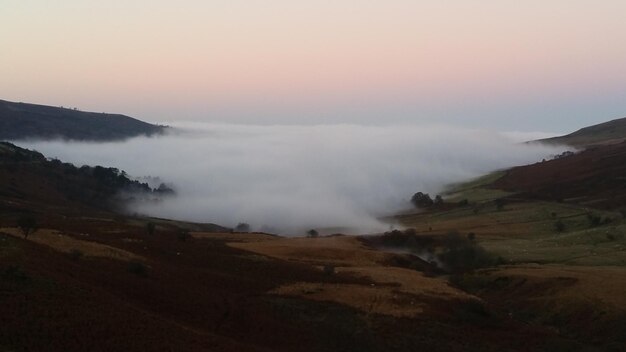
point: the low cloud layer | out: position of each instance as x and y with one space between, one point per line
292 178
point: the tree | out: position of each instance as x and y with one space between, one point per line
27 224
165 189
438 200
312 233
421 200
242 227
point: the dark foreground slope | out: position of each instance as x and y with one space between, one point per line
93 280
22 121
605 133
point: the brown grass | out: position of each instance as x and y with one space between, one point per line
395 291
338 251
238 237
66 244
603 285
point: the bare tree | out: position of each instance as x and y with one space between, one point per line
27 224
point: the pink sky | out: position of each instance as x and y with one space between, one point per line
254 60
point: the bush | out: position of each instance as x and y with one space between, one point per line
463 255
312 233
137 268
422 200
329 270
463 203
594 220
559 226
75 254
473 311
183 235
242 227
410 232
150 228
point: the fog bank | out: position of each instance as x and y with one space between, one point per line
292 178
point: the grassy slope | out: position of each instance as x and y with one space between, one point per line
568 279
608 132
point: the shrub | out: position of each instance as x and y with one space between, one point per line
75 254
422 200
473 311
559 226
150 228
594 220
183 235
410 232
329 270
312 233
137 268
242 227
463 203
462 255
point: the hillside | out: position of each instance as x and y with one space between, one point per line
595 177
559 228
29 180
93 279
22 121
487 270
605 133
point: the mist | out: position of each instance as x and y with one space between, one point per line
289 179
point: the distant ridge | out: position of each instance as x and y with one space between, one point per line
610 132
24 121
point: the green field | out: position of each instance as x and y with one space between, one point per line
522 231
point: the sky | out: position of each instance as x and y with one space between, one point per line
510 65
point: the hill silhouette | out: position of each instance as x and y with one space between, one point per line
30 121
